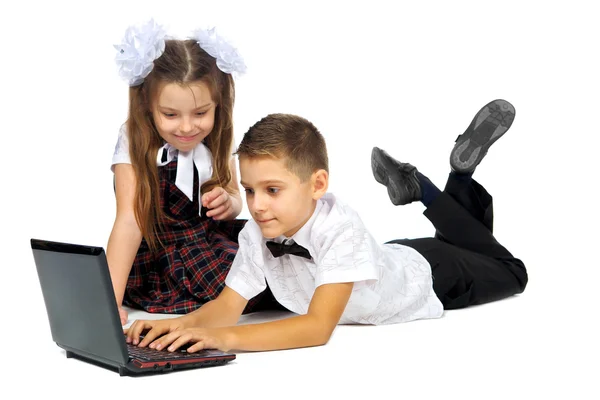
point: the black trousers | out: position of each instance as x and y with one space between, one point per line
468 264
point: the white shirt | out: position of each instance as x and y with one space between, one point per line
392 282
200 156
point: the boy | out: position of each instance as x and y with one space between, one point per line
322 264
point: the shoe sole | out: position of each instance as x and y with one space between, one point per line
488 125
380 173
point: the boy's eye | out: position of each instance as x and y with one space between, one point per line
273 190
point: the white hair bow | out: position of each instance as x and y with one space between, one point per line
143 44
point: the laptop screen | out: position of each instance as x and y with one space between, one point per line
37 244
80 300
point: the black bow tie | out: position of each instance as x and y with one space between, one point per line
279 249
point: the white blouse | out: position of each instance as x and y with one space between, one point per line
200 156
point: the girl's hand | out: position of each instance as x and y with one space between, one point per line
123 315
220 204
203 338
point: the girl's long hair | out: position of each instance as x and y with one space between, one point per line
182 62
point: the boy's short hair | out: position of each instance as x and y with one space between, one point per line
287 136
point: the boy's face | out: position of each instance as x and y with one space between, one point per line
277 199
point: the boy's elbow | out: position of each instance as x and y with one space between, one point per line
323 337
323 340
323 332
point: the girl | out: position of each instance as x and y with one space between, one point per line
175 235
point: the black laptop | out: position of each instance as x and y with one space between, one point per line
83 314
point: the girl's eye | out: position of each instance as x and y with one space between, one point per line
273 190
169 115
201 113
249 191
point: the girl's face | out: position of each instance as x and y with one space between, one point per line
184 114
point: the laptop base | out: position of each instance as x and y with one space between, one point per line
131 369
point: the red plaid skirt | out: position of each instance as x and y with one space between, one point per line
191 266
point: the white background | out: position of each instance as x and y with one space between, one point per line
408 78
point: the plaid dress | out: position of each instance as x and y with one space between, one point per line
190 267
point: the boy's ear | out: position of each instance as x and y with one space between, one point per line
320 183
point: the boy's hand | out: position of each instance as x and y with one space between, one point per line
219 202
123 315
204 338
153 329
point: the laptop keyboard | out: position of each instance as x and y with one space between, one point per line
146 353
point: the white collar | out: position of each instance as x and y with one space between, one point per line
199 156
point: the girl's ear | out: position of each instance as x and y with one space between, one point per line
320 183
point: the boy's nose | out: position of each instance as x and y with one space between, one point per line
259 203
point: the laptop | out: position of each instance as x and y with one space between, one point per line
84 319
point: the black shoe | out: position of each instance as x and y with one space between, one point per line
399 178
489 124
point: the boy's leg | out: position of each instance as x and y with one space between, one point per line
488 125
463 196
454 223
469 265
472 197
457 226
462 278
404 183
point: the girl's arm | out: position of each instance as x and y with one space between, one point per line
126 237
234 191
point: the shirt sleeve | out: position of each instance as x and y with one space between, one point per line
245 276
121 154
350 256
